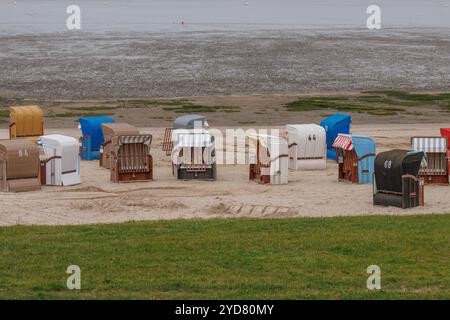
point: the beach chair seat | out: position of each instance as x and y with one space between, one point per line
132 160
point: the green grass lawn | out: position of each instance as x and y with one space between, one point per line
229 259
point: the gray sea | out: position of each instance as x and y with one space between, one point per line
44 16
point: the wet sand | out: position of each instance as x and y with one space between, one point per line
120 65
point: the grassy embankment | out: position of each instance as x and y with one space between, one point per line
231 259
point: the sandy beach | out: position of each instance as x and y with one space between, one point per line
308 194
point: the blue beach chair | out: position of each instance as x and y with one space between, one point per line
92 136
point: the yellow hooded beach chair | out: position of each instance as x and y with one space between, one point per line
26 121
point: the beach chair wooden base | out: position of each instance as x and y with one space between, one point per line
411 196
435 179
208 173
122 175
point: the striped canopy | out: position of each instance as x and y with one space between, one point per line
429 144
145 139
344 142
193 138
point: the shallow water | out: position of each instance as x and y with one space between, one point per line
45 16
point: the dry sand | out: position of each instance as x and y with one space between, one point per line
308 194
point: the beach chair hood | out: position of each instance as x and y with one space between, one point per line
429 144
145 139
197 146
19 165
26 121
364 146
66 169
445 132
391 165
307 147
92 127
116 129
22 157
190 121
333 125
